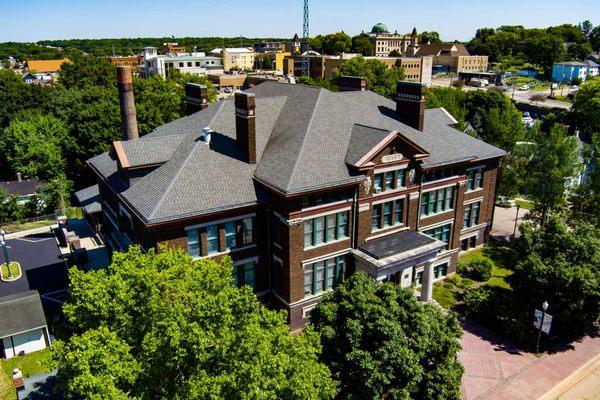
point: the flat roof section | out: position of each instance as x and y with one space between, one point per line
395 244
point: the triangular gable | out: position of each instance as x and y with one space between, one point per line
367 158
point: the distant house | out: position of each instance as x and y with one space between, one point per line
24 188
592 67
29 78
45 70
565 72
528 72
23 327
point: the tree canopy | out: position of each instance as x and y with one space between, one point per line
380 342
162 326
561 265
378 77
586 109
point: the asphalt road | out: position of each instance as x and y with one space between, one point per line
41 264
522 96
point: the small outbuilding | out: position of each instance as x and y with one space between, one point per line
23 327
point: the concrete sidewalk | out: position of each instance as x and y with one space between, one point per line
496 369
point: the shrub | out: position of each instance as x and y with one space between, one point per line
479 268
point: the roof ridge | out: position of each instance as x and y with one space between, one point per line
302 146
183 164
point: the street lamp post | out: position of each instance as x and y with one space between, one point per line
516 220
537 345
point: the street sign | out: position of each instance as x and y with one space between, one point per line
545 327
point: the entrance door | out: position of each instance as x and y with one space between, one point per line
406 279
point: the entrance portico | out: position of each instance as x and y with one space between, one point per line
398 253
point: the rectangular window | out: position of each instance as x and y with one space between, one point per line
424 202
376 217
197 63
398 211
431 209
473 242
342 227
249 274
475 214
325 229
308 233
277 228
180 65
319 230
189 64
475 179
193 238
449 198
234 276
441 233
387 214
212 239
230 235
400 178
389 180
467 216
247 231
436 201
440 270
323 275
441 200
378 183
419 278
278 275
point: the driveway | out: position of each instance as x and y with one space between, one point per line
41 264
496 369
504 220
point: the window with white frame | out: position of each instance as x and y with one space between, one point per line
238 233
325 229
474 178
389 180
323 275
471 216
437 201
388 214
442 233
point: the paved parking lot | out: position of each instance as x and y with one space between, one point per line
41 264
504 220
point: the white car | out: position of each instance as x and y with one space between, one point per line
524 87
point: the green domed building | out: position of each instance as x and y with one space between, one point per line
380 28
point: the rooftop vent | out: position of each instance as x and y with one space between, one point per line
206 134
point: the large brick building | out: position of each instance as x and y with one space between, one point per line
302 187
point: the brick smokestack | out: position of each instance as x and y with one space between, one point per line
196 97
352 84
127 102
410 103
245 126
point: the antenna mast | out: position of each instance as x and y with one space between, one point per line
305 47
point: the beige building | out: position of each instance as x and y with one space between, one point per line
416 69
386 42
236 58
454 56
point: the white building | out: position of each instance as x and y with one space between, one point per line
23 327
195 63
592 68
236 57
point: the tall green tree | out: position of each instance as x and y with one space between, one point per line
336 43
553 161
561 265
363 45
452 99
33 145
430 37
16 96
378 77
585 112
382 343
88 71
157 102
162 326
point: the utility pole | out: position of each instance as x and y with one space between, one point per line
305 46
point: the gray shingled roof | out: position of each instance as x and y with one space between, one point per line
89 199
307 138
151 150
21 312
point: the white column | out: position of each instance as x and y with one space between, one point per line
427 284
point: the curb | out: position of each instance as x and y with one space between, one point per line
571 380
33 231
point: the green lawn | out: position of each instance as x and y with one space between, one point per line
524 203
29 364
563 98
449 292
18 227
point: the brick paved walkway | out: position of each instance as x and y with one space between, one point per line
496 369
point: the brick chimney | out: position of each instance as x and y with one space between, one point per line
410 103
352 84
127 103
196 97
245 126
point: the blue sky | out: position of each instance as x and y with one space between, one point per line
32 20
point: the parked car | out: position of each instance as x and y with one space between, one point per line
524 87
526 114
